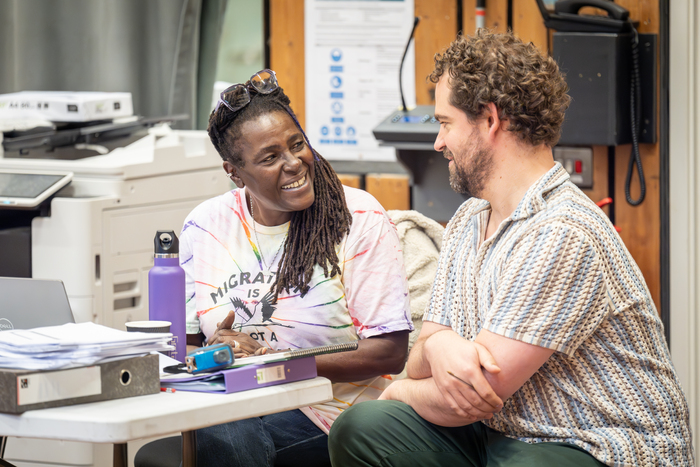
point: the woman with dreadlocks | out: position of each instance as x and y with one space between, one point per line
290 259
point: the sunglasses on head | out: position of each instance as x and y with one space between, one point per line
237 96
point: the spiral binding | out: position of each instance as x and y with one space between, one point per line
323 349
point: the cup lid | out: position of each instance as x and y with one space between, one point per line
148 324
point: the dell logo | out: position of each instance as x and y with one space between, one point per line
5 325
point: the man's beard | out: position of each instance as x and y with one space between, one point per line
470 178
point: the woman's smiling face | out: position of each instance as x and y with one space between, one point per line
277 167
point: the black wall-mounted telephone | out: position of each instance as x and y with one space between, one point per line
600 56
566 17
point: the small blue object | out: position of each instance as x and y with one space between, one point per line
211 358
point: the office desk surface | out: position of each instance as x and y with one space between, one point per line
122 420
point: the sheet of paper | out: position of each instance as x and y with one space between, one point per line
74 334
352 52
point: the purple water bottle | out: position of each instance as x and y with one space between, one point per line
166 290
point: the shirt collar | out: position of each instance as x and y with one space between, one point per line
533 201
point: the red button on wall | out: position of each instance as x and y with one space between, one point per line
578 166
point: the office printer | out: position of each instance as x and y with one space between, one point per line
96 234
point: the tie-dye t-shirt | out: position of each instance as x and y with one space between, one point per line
220 251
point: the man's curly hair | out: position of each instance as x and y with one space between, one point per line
527 88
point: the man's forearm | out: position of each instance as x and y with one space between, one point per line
418 366
425 398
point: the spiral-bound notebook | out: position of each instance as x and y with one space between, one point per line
292 354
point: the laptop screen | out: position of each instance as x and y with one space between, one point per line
33 303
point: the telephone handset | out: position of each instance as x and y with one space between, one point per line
565 17
572 7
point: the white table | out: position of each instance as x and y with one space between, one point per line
121 420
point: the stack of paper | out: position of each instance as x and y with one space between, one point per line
72 345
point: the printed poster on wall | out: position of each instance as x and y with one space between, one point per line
352 51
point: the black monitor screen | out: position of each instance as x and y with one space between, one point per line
13 185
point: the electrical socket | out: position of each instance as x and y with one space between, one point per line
570 157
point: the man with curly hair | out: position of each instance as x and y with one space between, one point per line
540 345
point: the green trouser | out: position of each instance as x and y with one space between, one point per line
392 434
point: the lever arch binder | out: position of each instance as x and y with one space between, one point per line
245 377
22 390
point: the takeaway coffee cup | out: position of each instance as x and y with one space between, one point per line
148 326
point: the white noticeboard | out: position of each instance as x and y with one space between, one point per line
352 51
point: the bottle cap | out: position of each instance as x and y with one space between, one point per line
166 243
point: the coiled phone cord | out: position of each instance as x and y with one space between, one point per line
635 112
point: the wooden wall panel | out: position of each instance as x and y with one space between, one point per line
287 50
496 15
528 24
351 180
641 225
393 191
437 28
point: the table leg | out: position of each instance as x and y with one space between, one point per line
189 449
121 458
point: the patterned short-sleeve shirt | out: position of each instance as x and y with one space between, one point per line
556 274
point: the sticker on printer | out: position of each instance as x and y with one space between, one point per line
36 388
6 324
270 374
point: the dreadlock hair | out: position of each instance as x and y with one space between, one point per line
313 232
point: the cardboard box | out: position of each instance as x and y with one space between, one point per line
59 106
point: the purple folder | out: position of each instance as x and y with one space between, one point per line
245 377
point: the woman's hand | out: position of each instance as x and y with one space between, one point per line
243 345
